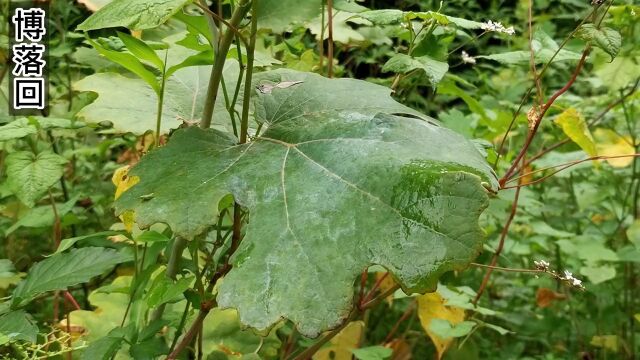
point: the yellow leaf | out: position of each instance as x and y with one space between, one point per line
432 306
386 284
637 316
611 144
574 126
123 182
606 341
339 348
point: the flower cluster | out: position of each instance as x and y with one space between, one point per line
541 265
566 276
569 278
497 27
467 59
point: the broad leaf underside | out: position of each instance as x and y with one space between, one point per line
334 184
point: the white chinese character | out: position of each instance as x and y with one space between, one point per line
29 24
28 59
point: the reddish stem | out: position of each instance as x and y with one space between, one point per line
503 236
543 111
71 300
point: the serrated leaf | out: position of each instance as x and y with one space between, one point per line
433 313
184 99
605 38
29 175
331 190
18 325
574 126
132 14
66 244
403 63
63 270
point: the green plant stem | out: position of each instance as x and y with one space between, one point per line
173 266
218 66
244 122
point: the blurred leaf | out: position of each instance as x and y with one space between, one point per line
69 242
598 274
60 271
544 48
633 233
30 175
340 347
609 143
164 289
574 126
402 64
18 325
619 73
609 342
278 15
373 353
605 38
105 347
545 297
24 126
42 216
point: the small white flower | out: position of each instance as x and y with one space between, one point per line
467 59
633 12
541 265
568 275
497 27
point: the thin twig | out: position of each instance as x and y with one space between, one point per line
330 41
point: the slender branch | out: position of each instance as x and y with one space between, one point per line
226 23
248 87
540 116
161 100
542 72
218 66
562 167
330 41
193 330
500 268
496 255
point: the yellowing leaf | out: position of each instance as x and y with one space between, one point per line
574 126
340 346
123 182
386 284
609 143
609 342
432 306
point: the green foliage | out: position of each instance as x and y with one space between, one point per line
63 270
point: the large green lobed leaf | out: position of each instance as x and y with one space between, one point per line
343 177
